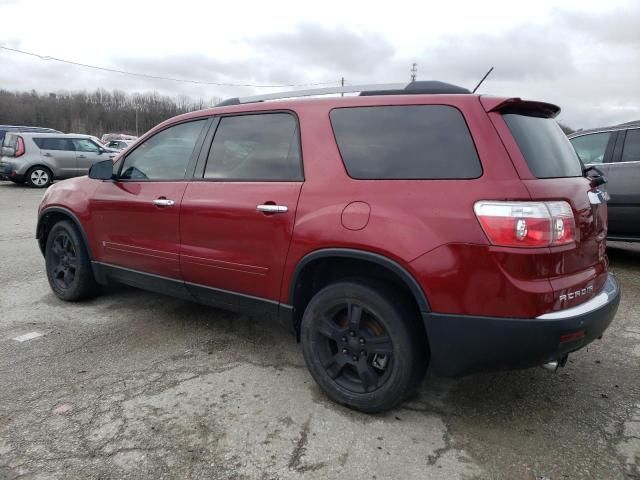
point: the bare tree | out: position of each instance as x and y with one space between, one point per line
94 113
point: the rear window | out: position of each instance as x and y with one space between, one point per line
544 146
10 140
405 142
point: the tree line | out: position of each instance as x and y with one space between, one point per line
101 111
94 113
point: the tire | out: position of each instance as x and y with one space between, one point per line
68 265
39 177
364 344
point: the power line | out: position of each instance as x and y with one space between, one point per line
158 77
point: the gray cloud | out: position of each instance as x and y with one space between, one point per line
589 64
621 28
522 54
335 49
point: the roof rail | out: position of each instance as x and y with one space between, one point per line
412 88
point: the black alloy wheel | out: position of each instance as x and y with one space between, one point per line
364 344
354 347
68 264
65 260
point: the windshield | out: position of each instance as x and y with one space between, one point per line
544 146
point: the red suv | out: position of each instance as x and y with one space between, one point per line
400 228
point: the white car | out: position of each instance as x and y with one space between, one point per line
119 145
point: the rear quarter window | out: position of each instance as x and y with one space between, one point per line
418 142
544 146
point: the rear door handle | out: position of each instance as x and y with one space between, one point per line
270 208
46 154
163 202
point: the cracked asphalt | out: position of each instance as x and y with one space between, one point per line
137 385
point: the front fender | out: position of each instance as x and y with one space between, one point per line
68 198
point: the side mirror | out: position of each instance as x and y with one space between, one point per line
101 150
101 170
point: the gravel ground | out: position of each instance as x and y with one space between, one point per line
137 385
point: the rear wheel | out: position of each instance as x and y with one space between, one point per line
68 264
39 177
362 345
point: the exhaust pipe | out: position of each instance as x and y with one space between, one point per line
554 365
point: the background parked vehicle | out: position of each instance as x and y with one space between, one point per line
107 137
616 152
40 158
22 128
119 145
389 231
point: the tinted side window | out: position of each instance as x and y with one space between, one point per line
165 155
591 148
255 147
631 151
405 142
59 144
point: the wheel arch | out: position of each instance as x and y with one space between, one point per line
52 215
41 165
347 263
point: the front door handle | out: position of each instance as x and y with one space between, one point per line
270 208
163 202
81 156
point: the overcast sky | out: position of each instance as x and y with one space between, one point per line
585 58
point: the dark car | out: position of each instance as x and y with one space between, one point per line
616 152
408 226
23 129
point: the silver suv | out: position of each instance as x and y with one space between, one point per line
39 158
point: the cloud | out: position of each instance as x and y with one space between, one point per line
588 63
522 54
334 49
617 28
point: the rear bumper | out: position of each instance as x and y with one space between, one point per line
6 170
462 344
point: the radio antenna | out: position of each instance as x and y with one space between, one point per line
483 79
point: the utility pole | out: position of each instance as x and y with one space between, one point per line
414 71
137 135
342 85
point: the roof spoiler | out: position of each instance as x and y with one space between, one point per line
519 106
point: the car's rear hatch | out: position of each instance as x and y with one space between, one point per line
551 170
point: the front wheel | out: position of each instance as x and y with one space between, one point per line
68 264
363 345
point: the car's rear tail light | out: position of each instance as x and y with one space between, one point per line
526 224
20 147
